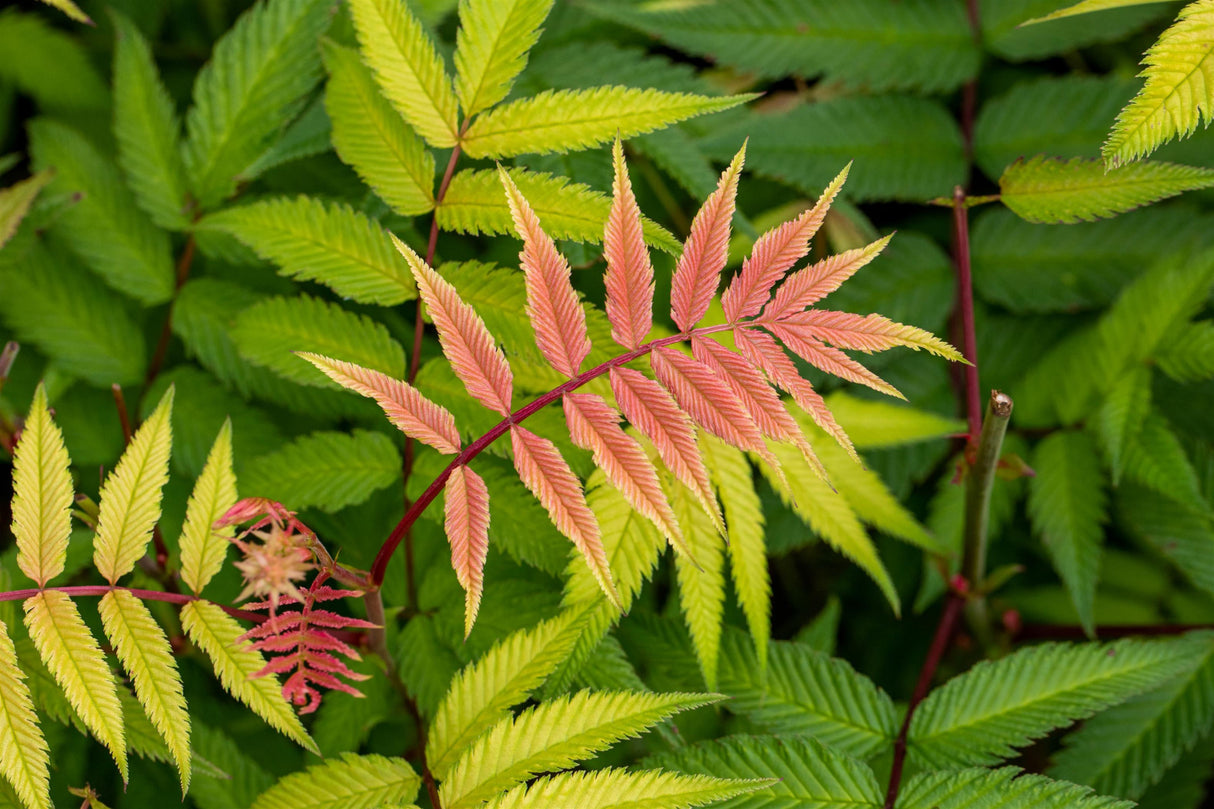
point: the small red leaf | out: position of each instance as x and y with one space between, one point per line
698 272
466 514
774 254
552 306
650 409
595 425
411 412
553 483
810 285
474 355
831 360
629 277
765 352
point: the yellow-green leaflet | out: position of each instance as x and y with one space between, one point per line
202 547
72 655
42 495
130 496
145 653
15 202
23 754
215 632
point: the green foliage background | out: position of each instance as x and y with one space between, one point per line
1099 331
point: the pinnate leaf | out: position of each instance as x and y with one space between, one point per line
406 407
145 653
1004 788
203 547
327 469
348 781
24 759
215 632
491 47
373 139
629 275
700 573
1049 190
130 497
408 68
42 494
617 789
473 353
466 519
75 660
569 120
552 305
698 272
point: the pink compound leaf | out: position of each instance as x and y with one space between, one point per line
698 272
810 285
552 306
629 277
595 425
774 254
467 343
411 412
650 409
466 516
553 483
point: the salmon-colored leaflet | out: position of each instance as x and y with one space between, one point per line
552 306
629 277
466 518
774 254
810 285
828 359
467 343
411 412
707 398
595 425
650 409
550 479
864 332
698 272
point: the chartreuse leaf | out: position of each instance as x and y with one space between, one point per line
701 577
998 789
569 120
24 761
552 737
808 693
215 633
1049 190
828 513
372 137
1179 90
347 782
328 470
1122 415
72 655
808 773
331 244
1129 747
924 45
147 130
1088 6
144 651
408 68
70 9
38 56
42 494
491 47
482 693
104 227
203 548
878 424
15 202
733 477
130 496
1005 35
258 78
475 204
269 332
620 789
1067 506
983 715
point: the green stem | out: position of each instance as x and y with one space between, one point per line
978 488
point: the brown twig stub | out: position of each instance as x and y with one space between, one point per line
124 416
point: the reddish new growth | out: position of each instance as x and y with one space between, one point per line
279 550
306 647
